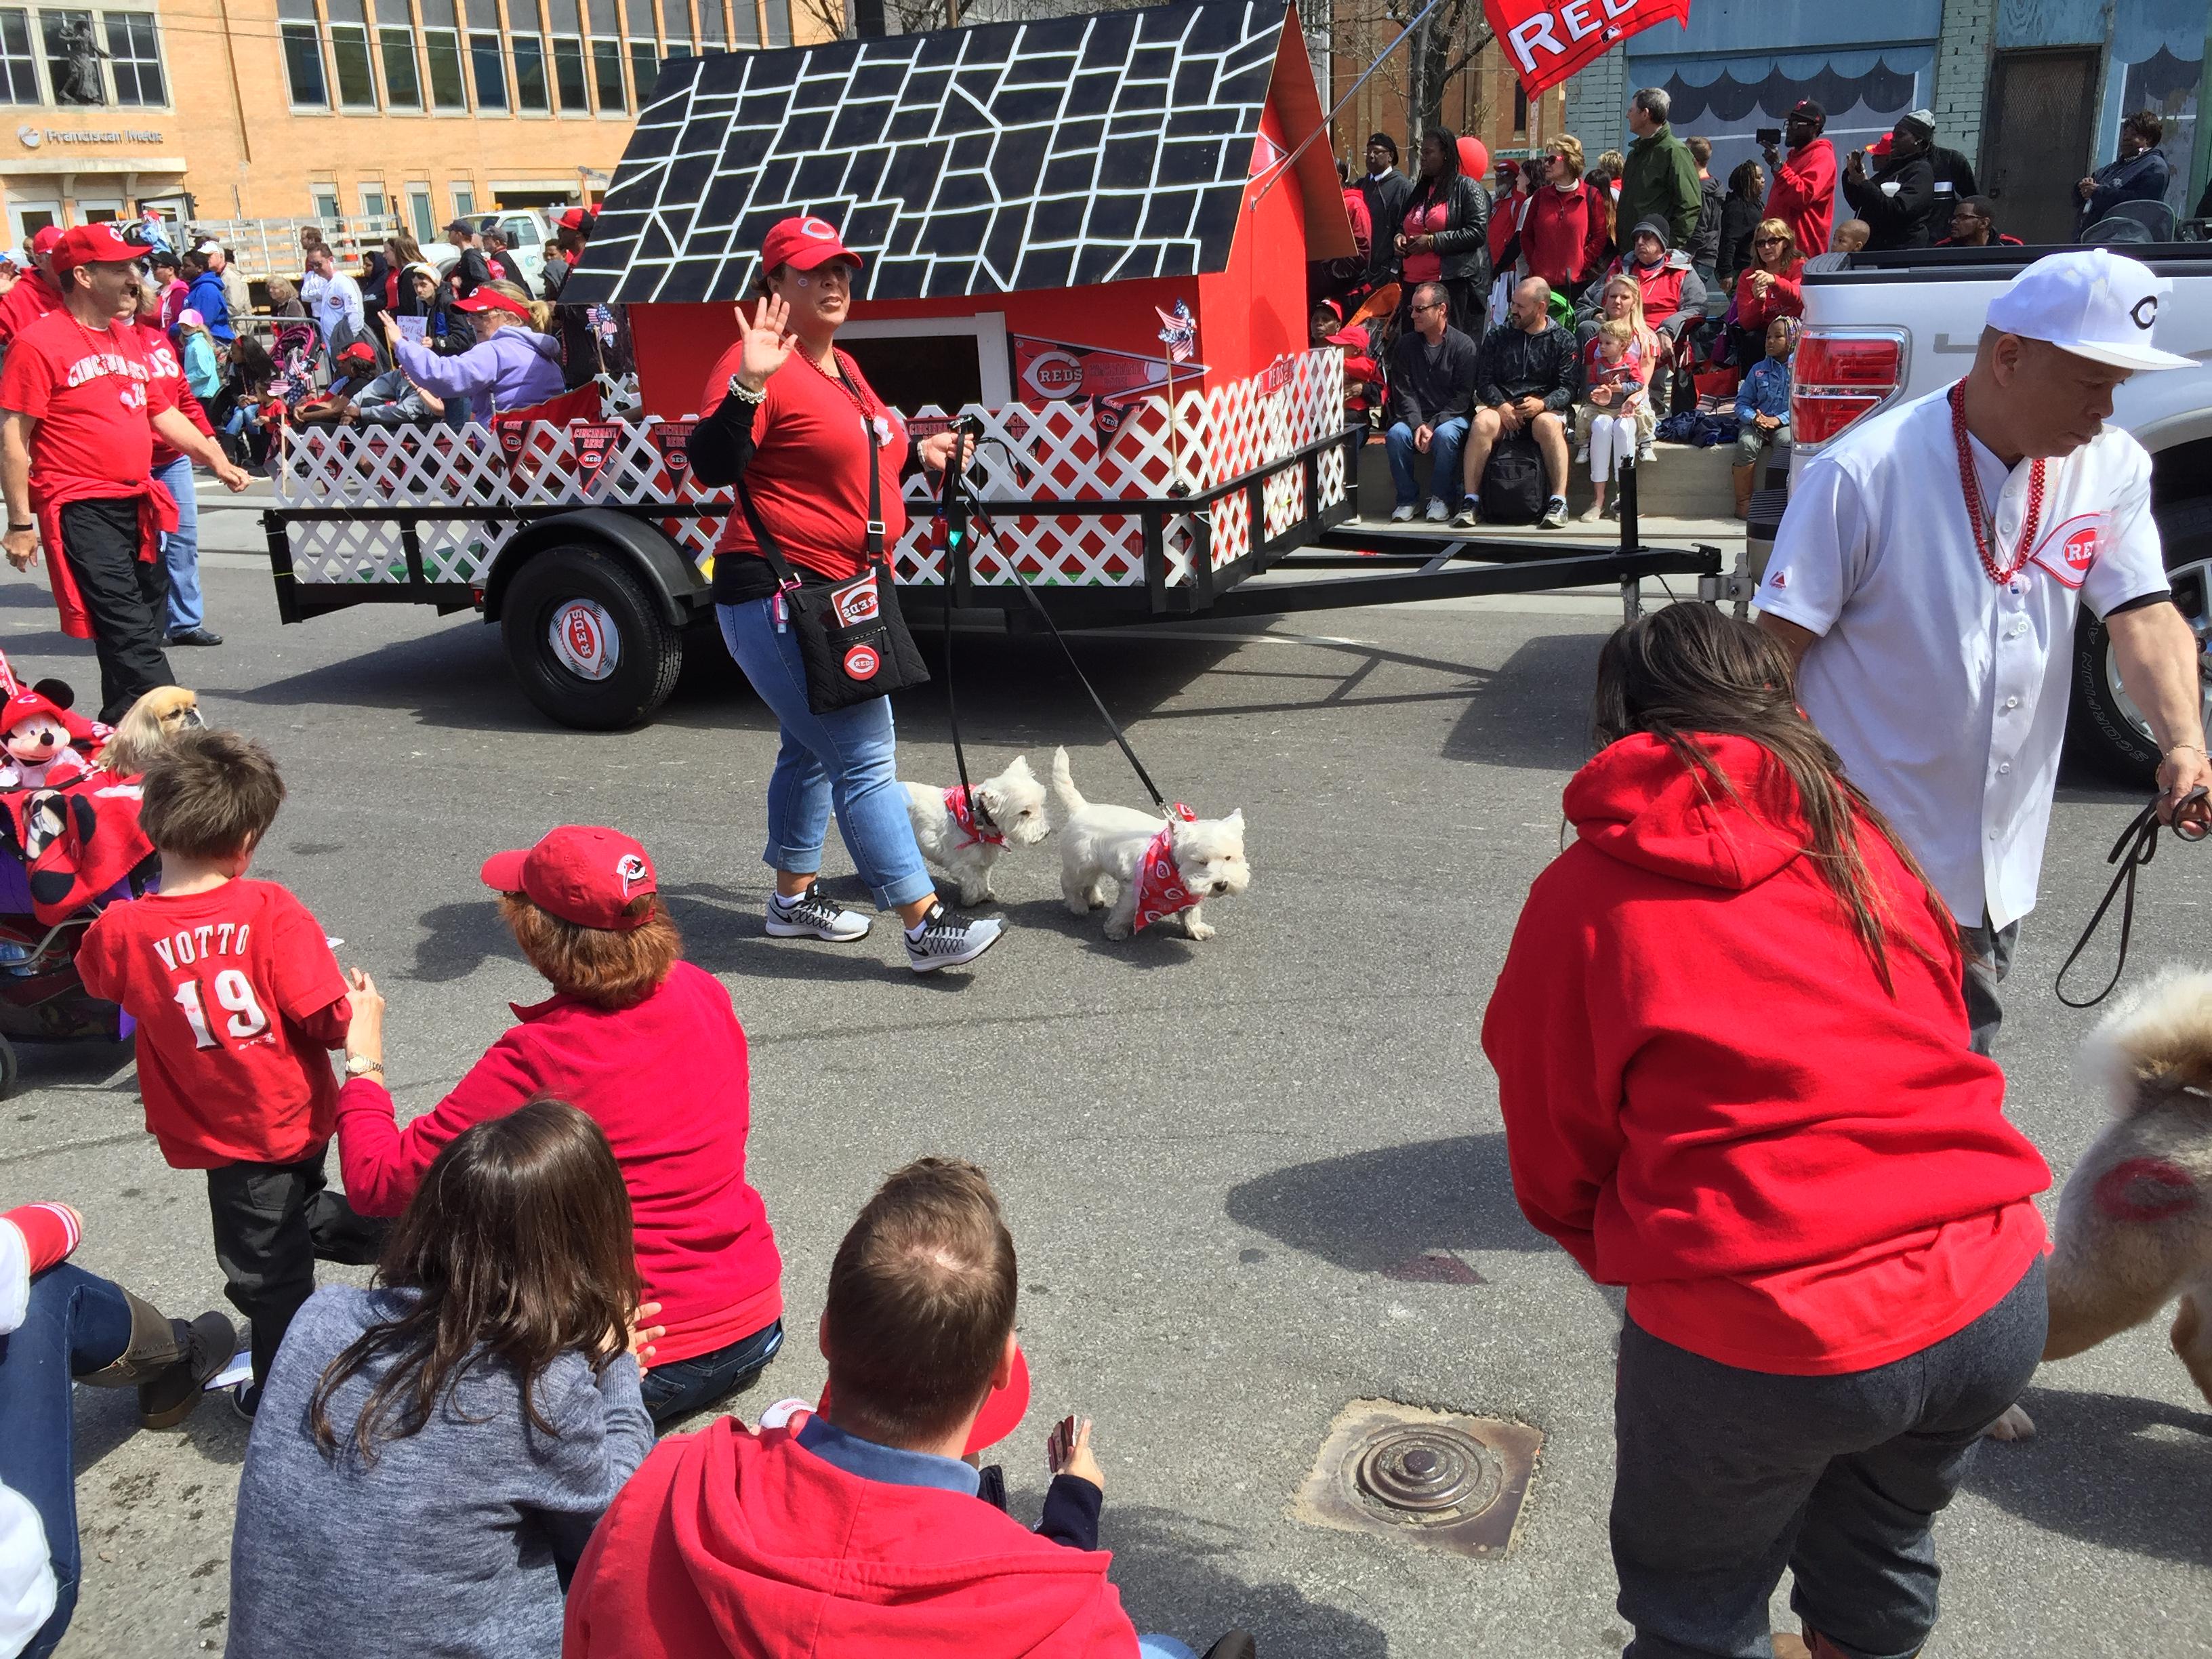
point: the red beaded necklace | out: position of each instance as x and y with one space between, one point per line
1984 523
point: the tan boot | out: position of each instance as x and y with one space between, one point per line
1743 471
167 1360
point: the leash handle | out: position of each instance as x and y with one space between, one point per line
2137 847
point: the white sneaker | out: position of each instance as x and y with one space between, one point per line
1591 513
948 940
1645 452
1401 515
1581 455
812 916
1555 513
1436 512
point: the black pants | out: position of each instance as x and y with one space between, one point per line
272 1222
1987 953
127 596
1724 1477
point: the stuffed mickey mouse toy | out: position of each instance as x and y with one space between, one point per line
37 733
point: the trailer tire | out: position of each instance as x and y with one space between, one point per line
10 1067
2103 726
587 641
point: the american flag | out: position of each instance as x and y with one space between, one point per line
1181 334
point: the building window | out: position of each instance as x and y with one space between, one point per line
350 66
744 23
303 66
464 201
778 23
676 23
714 31
395 46
441 50
607 77
1520 108
135 58
532 94
325 198
73 55
490 71
19 65
569 58
420 216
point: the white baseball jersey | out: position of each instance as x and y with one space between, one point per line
1944 692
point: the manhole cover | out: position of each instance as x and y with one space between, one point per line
1436 1479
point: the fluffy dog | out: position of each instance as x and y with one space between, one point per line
151 721
1013 810
2134 1222
1099 844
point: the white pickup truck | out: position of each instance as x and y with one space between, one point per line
1883 328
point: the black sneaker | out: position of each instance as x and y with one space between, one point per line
246 1399
194 636
812 916
949 941
1555 513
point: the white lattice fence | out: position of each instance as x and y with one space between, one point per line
1054 452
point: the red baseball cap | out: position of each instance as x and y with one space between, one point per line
44 240
803 244
579 872
93 245
1002 1414
487 299
573 219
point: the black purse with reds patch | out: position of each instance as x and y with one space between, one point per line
852 638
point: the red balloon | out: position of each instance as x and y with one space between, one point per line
1474 157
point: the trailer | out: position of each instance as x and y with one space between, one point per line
1033 198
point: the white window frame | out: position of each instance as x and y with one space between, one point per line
988 329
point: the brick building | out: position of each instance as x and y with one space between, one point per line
265 109
1484 100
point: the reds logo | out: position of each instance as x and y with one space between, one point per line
582 636
2071 548
861 662
631 868
2081 549
819 230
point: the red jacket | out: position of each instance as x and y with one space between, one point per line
1555 235
1506 212
667 1080
1785 297
1363 224
1659 284
1803 194
726 1542
1709 1098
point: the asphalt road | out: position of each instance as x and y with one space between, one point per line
1251 1181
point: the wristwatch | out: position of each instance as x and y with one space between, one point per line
17 529
362 1066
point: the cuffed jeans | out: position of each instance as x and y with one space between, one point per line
683 1385
180 548
1723 1477
75 1324
848 758
1450 437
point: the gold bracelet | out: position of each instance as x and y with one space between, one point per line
2193 748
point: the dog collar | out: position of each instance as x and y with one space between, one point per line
1160 890
973 818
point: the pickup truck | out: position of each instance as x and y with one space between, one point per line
1883 328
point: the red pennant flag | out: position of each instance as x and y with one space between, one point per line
673 439
1547 41
595 442
512 438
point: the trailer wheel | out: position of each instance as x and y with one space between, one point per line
10 1064
2104 726
587 641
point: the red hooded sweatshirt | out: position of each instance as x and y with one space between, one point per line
1709 1098
726 1542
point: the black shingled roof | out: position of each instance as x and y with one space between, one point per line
972 160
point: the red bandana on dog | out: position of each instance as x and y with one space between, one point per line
1160 891
963 814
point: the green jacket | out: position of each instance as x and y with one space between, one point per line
1660 181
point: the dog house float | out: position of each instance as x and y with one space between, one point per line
1033 200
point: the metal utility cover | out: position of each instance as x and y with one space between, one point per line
1438 1479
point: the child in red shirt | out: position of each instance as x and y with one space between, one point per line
237 999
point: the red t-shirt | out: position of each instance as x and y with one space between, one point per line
235 992
93 392
32 298
808 474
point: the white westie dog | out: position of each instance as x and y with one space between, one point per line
1164 867
1007 810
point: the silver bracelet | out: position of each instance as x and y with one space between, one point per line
738 391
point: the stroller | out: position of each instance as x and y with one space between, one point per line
52 885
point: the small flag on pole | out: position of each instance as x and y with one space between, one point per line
1181 334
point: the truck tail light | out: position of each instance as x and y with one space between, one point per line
1841 376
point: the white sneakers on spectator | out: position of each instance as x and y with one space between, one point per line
810 915
1401 515
1437 512
1555 513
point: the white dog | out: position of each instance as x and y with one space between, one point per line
1099 844
1012 815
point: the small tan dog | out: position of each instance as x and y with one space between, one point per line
2134 1223
151 721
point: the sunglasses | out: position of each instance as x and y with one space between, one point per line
1768 241
1433 304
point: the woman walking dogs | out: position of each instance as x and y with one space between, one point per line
789 420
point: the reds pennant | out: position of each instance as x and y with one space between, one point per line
673 439
595 442
1547 41
512 438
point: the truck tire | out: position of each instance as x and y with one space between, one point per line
2104 728
587 641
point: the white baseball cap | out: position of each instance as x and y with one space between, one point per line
2090 302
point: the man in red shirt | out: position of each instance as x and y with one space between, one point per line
36 294
80 404
1803 193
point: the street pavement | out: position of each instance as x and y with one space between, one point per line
1250 1180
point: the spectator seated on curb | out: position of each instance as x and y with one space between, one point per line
1614 403
1669 293
58 1323
1524 382
860 1530
1431 394
1762 404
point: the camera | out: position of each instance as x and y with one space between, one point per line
1769 137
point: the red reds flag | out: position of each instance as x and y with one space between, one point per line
1547 41
595 442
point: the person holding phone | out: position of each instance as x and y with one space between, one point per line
792 421
1803 193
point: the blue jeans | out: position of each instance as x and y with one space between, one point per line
180 548
1444 449
1163 1647
683 1385
75 1323
848 759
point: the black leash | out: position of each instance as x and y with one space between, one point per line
2132 852
962 510
952 498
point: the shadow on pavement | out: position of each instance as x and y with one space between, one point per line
1376 1210
2106 1469
1534 711
461 937
1178 1577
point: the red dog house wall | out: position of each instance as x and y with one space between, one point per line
1047 187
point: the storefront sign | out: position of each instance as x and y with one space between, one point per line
31 137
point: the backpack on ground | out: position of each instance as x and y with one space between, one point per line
1513 484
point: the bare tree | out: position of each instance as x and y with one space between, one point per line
1444 46
913 16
